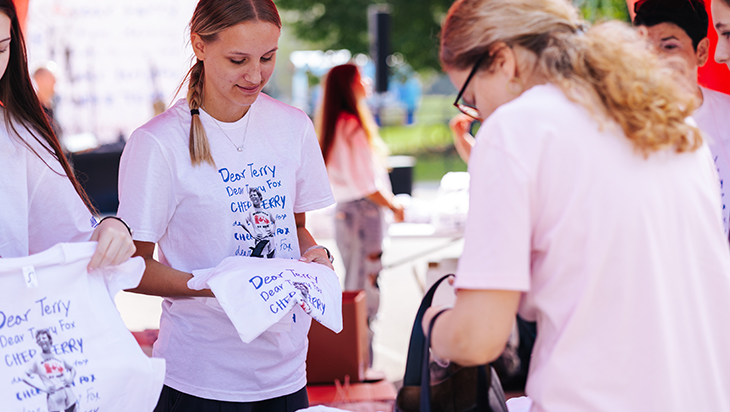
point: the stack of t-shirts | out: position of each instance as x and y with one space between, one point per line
257 294
62 341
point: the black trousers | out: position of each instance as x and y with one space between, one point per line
172 400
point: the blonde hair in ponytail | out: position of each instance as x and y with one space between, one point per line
210 18
609 68
199 146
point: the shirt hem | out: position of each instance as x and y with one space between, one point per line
492 284
228 396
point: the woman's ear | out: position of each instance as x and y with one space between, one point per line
703 51
198 46
505 60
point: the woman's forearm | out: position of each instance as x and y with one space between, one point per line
381 200
162 280
476 330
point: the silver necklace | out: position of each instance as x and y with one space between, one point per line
245 131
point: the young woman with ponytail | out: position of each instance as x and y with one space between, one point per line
594 210
187 184
41 202
355 157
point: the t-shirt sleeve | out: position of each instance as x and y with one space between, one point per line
497 235
56 212
146 193
313 188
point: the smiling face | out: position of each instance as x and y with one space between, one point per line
43 339
238 64
721 19
5 26
255 197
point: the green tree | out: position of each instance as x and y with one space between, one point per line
597 10
343 24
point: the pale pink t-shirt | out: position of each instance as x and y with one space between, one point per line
354 170
622 259
713 117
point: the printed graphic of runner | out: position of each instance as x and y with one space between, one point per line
261 225
52 376
302 287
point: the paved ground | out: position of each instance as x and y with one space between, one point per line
406 257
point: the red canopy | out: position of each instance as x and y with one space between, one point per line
712 75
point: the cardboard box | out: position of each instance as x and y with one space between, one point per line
337 356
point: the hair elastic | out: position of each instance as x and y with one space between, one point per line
193 112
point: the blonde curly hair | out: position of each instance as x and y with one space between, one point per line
608 68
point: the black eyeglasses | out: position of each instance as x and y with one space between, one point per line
470 111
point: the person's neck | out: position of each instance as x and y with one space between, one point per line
699 96
224 112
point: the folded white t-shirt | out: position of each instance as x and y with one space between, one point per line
86 356
257 294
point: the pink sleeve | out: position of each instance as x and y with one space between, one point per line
497 236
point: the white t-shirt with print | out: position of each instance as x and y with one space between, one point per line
197 216
39 205
621 259
257 294
713 117
93 361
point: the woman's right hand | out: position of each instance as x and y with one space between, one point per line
460 127
114 244
398 212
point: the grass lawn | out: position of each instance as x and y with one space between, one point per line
428 140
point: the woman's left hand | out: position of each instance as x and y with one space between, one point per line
114 246
317 256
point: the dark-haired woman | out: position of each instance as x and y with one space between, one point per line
227 171
41 202
355 159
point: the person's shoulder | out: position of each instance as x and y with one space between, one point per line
172 120
716 99
348 124
348 119
166 126
542 104
269 106
25 139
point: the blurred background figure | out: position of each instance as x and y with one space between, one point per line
355 157
45 82
678 30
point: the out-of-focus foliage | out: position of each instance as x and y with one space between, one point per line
600 10
343 24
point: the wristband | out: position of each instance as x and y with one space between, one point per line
329 255
119 219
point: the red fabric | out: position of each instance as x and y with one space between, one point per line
712 75
21 7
